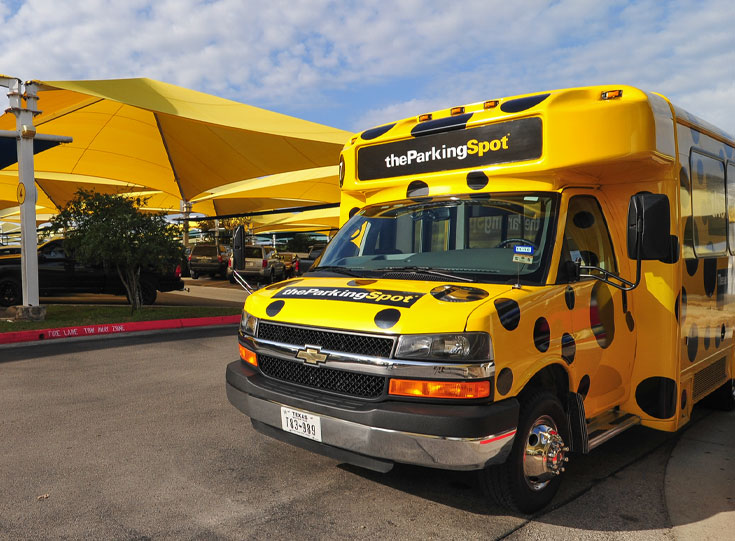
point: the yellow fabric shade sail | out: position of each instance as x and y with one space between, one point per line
308 220
170 139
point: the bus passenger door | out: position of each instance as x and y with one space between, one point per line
601 349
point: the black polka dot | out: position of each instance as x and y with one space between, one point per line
706 338
722 332
569 297
373 133
691 265
676 306
629 321
449 293
417 188
683 178
541 334
521 104
710 276
274 307
584 219
683 398
476 180
505 381
584 386
385 319
353 211
358 283
509 313
692 343
657 396
683 309
602 315
568 348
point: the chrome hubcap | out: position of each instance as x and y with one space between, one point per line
544 457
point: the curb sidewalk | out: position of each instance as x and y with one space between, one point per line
106 329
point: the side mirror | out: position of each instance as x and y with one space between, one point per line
238 248
649 222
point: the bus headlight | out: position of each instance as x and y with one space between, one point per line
248 324
470 346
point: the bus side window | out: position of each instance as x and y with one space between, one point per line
586 237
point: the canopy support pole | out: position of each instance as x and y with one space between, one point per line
27 194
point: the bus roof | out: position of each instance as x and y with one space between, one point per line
547 140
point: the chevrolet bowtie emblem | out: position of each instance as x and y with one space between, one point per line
312 355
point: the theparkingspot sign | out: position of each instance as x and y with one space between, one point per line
512 141
351 294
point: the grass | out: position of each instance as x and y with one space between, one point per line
64 315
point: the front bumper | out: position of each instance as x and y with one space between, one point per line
377 434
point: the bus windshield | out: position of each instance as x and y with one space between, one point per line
495 238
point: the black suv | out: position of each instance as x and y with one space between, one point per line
60 274
209 259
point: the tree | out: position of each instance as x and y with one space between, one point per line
109 230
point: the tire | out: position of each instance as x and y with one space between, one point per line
528 484
723 398
194 275
148 293
11 292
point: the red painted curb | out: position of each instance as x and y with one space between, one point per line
114 328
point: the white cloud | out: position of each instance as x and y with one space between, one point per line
376 59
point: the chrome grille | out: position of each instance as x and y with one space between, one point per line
360 344
325 379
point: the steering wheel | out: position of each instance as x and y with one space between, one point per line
506 242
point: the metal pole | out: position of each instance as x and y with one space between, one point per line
27 195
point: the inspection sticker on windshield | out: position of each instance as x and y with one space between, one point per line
523 254
351 294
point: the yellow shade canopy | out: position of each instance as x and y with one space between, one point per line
171 139
308 220
9 193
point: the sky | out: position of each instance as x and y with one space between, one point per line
358 64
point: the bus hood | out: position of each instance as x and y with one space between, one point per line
369 305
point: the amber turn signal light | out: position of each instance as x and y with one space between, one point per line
457 111
439 389
248 356
489 104
611 94
424 118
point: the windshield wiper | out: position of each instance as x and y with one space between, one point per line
428 270
336 269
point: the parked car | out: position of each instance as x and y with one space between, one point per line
208 259
9 250
261 263
60 274
306 263
291 262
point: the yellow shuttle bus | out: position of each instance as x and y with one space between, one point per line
515 281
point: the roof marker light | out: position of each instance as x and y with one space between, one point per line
457 111
612 94
489 104
423 118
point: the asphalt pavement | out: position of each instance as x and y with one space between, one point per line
682 489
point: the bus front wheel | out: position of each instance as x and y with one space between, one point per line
531 475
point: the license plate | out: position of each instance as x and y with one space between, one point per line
249 264
302 424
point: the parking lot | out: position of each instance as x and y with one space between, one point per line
133 438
